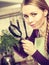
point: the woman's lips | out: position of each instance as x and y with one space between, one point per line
33 25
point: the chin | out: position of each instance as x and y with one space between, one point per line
34 27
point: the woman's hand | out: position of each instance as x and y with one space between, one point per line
28 46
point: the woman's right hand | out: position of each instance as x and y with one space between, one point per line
28 47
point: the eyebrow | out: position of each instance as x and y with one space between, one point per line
33 13
25 15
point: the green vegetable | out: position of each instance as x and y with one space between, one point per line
7 41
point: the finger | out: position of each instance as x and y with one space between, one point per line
26 41
26 45
26 50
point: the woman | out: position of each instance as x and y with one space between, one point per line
36 13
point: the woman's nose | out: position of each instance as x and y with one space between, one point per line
30 19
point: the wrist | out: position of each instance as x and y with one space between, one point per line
34 50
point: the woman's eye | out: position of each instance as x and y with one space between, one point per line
33 14
26 16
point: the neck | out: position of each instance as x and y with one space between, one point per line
43 28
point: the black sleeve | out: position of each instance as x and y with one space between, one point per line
40 58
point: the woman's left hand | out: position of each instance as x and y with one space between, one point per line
29 47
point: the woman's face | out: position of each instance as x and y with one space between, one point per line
33 15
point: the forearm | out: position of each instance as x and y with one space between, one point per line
40 58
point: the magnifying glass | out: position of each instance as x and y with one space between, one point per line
15 30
